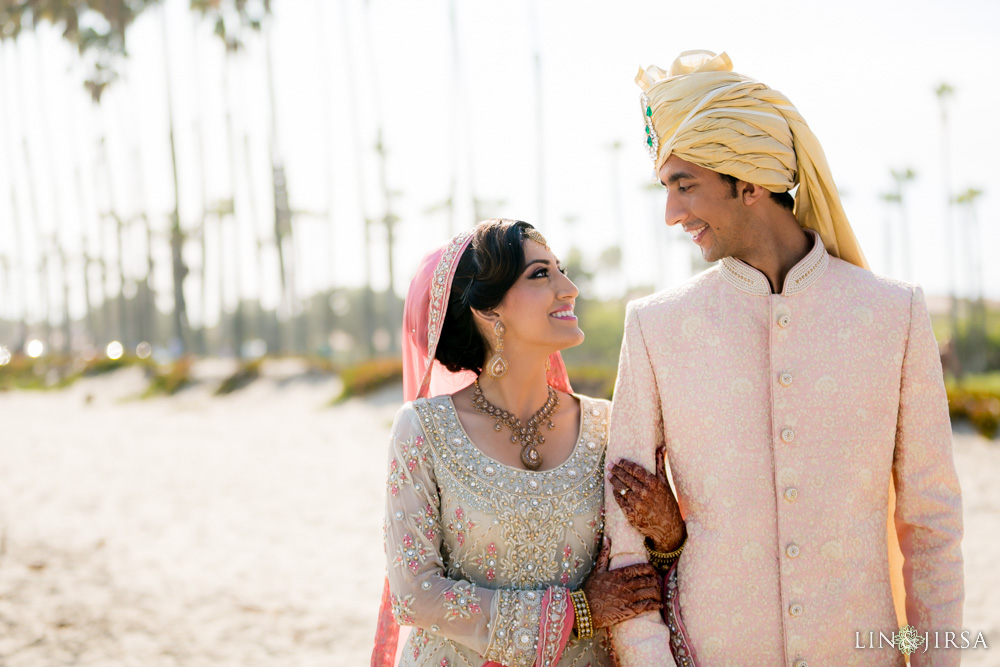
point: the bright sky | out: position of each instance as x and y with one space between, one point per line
862 73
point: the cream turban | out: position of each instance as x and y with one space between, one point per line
704 113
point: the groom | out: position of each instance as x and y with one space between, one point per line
796 394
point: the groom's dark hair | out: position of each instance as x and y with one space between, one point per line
489 267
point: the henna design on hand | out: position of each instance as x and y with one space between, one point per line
618 595
649 504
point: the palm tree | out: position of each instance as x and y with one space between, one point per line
654 196
42 271
8 292
901 177
283 229
539 108
177 236
19 252
62 257
85 261
112 217
460 114
232 45
328 321
100 258
201 340
614 154
390 219
945 92
368 313
147 320
891 199
976 339
53 255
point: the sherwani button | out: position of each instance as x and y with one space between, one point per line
788 435
801 663
791 494
785 379
784 320
792 551
795 610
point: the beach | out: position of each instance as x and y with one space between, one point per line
246 529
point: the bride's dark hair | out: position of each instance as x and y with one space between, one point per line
488 268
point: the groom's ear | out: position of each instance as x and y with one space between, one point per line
750 192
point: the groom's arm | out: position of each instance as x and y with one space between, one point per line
636 432
928 499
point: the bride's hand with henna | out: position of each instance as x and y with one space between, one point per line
648 502
618 595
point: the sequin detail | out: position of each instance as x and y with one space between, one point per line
461 601
418 642
570 564
514 639
487 562
427 522
679 645
397 477
460 526
553 624
411 554
439 294
402 609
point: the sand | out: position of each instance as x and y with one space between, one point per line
244 530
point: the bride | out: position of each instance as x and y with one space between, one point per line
494 503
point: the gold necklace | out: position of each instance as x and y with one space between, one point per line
527 435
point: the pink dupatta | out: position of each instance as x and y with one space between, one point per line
424 377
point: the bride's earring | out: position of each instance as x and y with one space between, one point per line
497 365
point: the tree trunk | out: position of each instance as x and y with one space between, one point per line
179 268
392 323
43 270
238 324
19 252
283 229
53 252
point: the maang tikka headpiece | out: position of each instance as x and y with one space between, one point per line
536 236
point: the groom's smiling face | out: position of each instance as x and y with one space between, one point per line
707 207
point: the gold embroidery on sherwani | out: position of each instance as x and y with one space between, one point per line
499 538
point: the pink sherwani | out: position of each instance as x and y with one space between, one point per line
784 416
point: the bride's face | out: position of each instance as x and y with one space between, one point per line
538 309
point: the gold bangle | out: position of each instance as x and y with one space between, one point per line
582 620
661 560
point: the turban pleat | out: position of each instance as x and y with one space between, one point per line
704 113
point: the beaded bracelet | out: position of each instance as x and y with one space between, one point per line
581 609
663 561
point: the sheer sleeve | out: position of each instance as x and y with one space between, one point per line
510 627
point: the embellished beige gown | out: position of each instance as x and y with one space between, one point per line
474 546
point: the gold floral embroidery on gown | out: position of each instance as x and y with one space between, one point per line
473 545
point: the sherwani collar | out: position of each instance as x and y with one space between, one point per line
747 279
